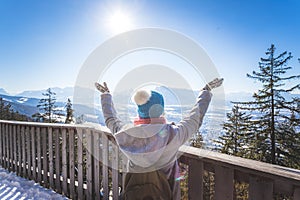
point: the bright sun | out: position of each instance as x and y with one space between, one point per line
119 21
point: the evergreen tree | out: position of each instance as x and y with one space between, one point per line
288 152
69 111
197 140
2 106
237 133
269 104
47 107
7 113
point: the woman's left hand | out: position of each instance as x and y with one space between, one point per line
102 88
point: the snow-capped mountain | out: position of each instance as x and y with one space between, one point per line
2 91
28 106
62 94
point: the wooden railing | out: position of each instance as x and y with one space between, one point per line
84 163
65 158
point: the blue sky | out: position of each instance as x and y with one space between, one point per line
43 43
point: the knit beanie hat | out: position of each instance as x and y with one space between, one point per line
150 104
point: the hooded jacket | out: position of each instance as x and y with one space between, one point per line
155 146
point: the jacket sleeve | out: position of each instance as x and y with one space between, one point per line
110 115
190 124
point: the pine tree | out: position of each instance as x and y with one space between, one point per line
197 140
47 107
288 152
7 113
69 111
269 103
2 106
237 133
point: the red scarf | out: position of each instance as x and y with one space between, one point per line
139 121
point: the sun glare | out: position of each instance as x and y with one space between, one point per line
119 21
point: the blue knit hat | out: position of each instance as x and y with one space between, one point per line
150 104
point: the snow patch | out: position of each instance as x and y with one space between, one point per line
14 187
22 100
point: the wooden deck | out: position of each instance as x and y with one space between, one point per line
84 163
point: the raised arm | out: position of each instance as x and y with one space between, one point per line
110 115
190 124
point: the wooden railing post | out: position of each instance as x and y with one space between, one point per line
28 151
195 179
10 148
33 150
19 146
1 142
38 154
44 138
51 158
7 147
14 136
80 163
57 161
97 159
105 166
72 163
260 189
64 162
89 165
115 171
23 151
296 194
224 183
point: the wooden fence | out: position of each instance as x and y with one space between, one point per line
64 158
74 161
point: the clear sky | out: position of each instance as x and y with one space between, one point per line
43 43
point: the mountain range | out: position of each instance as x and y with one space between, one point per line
26 102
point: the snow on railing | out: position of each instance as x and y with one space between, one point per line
80 162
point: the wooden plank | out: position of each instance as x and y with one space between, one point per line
38 154
19 160
15 164
1 142
89 165
50 150
105 166
260 189
97 164
28 150
10 151
296 194
72 163
224 183
57 161
80 163
6 146
33 151
3 164
115 171
44 138
64 162
23 141
195 179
